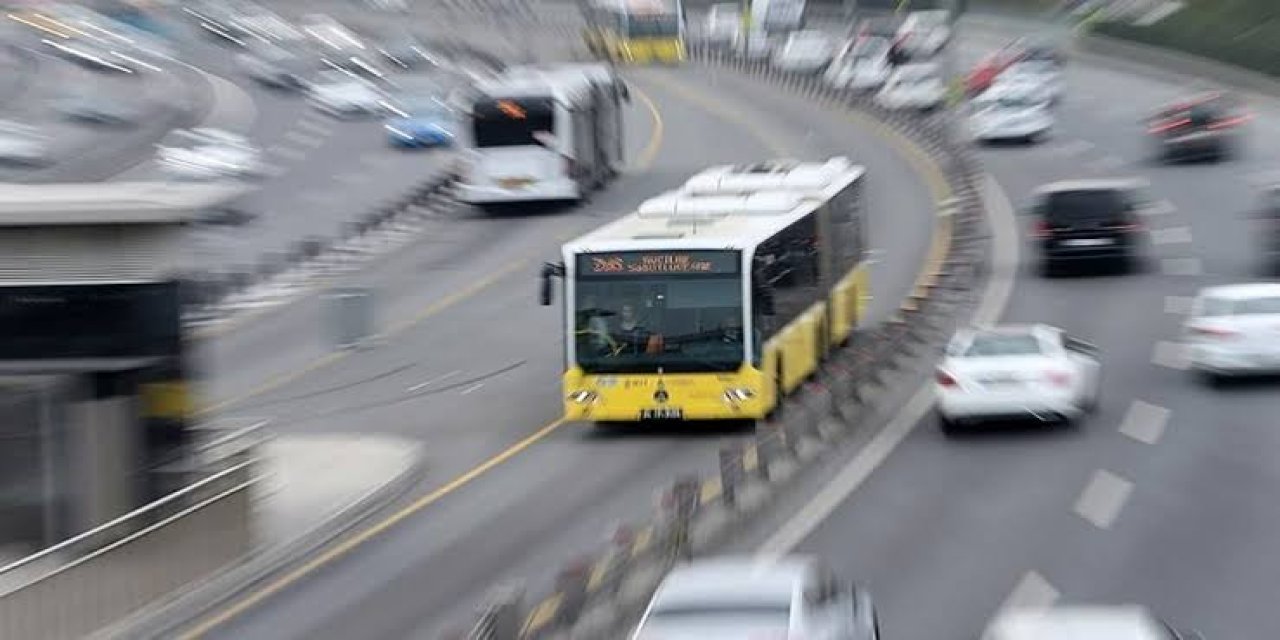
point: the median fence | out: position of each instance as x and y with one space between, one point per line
600 594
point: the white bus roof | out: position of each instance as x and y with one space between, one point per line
681 220
111 203
533 81
784 175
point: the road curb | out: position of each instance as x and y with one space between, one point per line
598 594
167 618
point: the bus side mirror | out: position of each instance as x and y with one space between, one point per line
546 293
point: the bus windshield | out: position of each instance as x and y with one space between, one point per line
653 26
506 122
675 311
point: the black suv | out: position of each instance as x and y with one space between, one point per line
1203 127
1088 221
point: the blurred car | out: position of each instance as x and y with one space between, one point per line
1088 221
996 117
914 86
1016 371
274 66
1234 330
1084 623
732 598
1040 78
219 20
724 20
1205 126
984 74
345 95
421 122
22 144
405 51
864 68
924 33
93 55
804 52
204 154
1019 87
97 109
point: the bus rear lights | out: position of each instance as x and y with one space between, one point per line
583 397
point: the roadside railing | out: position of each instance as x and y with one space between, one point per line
599 595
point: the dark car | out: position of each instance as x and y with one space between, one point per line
1203 127
1089 221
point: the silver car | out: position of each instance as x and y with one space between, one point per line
730 598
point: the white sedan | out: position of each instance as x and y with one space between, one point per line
866 68
996 118
744 597
914 86
1234 330
22 144
805 52
1095 622
1036 80
1016 371
344 95
206 154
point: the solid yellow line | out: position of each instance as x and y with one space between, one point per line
711 490
350 544
642 541
776 145
643 162
750 458
542 614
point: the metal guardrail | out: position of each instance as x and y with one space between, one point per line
87 582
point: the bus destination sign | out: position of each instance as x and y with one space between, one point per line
658 262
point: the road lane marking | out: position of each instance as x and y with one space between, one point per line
1178 305
1170 354
1171 235
251 600
1032 593
994 299
473 388
439 378
1068 149
1158 208
1106 163
1145 422
646 160
1103 498
1181 266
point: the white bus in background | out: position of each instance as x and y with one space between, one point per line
773 16
551 133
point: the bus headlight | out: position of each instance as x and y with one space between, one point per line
734 396
583 397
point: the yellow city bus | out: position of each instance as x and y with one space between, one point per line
713 301
636 31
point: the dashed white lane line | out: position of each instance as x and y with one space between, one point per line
314 127
1181 266
1103 498
1145 422
1032 592
1159 208
439 378
1170 354
1178 305
1171 235
288 153
1068 149
474 387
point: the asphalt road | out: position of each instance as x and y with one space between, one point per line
1164 497
472 369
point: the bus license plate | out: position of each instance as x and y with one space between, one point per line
665 413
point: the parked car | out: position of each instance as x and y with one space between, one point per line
742 597
864 68
724 20
925 33
804 52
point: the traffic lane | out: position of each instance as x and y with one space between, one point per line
21 69
898 207
457 251
371 593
